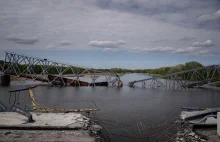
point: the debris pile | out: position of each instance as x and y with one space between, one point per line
187 135
198 125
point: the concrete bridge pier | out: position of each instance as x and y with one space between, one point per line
131 84
5 80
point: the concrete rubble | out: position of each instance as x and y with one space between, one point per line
48 127
188 134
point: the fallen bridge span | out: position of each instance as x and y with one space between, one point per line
184 79
56 73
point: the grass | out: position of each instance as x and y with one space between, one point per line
216 84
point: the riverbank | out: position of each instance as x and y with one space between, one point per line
216 84
48 127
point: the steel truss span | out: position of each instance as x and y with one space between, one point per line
54 72
185 79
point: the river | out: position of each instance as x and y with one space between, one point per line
122 108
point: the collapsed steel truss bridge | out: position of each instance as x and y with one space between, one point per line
25 66
67 74
184 79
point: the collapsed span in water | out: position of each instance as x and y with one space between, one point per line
56 73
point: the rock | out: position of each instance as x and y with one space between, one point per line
96 129
203 140
180 134
191 134
186 131
196 136
7 133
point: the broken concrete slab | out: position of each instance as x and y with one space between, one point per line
69 120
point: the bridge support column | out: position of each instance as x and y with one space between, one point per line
5 80
131 84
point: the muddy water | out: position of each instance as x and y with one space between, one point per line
121 108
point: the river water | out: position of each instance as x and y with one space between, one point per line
121 108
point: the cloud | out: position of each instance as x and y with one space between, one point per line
203 53
121 42
65 43
159 49
210 17
106 44
145 6
186 50
207 43
107 49
50 47
59 46
21 40
187 38
136 21
193 51
178 12
135 48
153 50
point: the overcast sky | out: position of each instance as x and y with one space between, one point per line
113 33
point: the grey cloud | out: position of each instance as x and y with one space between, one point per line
179 12
109 44
187 38
139 24
210 21
121 42
194 51
58 47
22 40
203 53
107 49
153 50
159 49
210 17
65 43
51 47
186 50
111 49
145 6
207 43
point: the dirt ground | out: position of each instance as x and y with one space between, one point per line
42 135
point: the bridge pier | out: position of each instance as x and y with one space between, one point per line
5 80
131 84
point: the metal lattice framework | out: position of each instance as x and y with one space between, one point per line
184 79
13 66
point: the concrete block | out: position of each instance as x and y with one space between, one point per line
218 123
5 80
